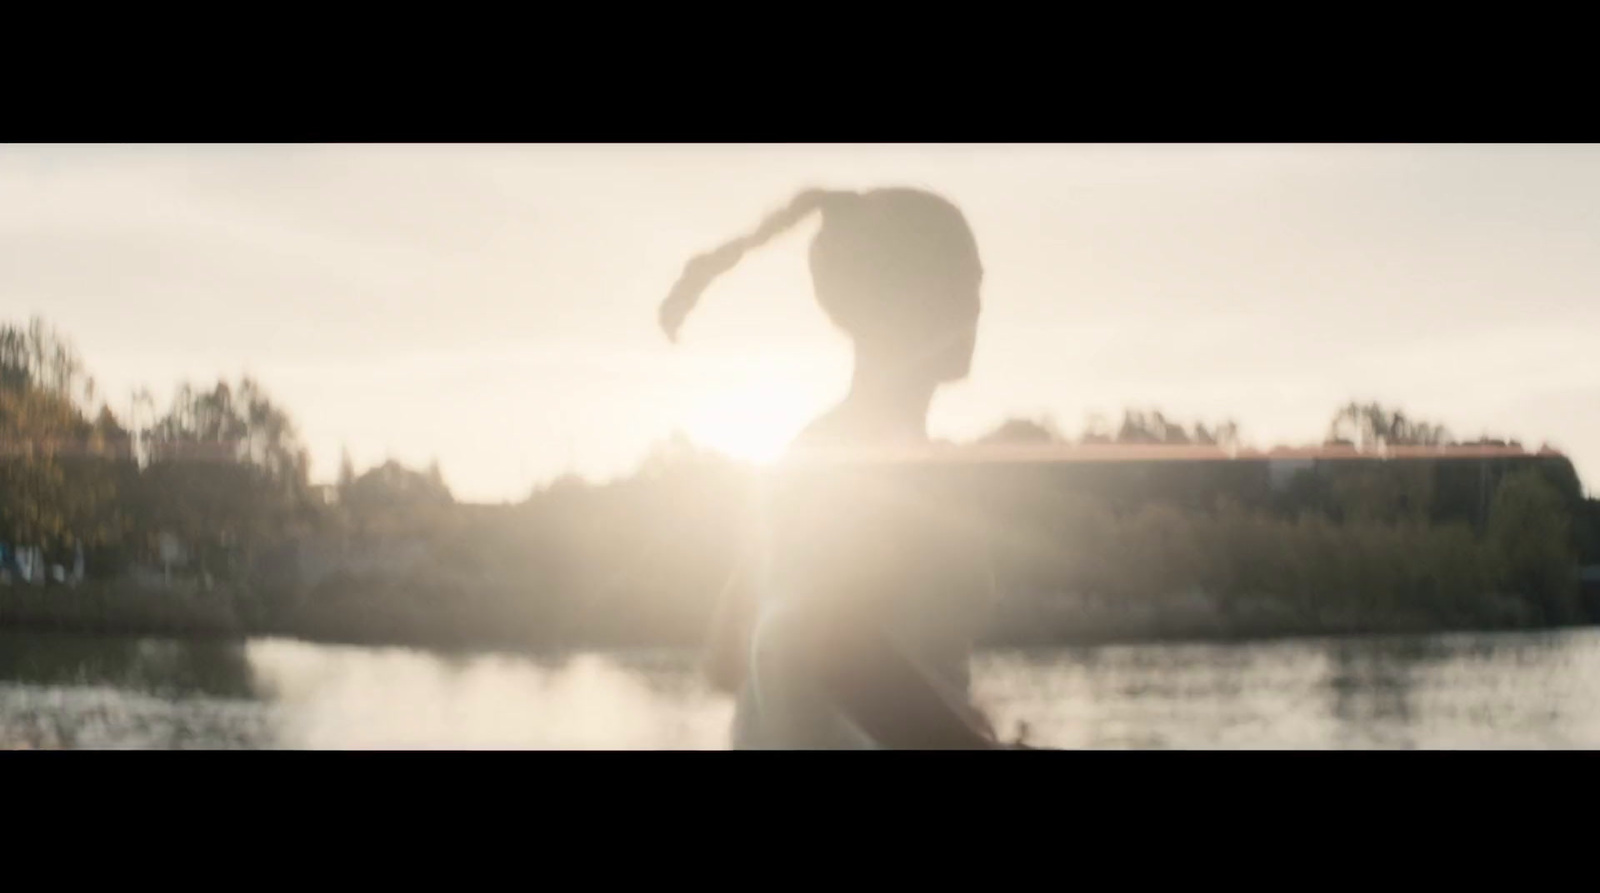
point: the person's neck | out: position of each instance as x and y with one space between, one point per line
885 403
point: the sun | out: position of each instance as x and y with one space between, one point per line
751 424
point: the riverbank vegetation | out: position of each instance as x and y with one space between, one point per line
199 518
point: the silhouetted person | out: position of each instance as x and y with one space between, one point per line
858 634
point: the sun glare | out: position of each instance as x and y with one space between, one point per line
750 425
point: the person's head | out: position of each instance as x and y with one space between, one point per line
896 269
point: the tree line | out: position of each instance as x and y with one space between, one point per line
1090 551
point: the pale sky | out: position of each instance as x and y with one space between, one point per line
494 306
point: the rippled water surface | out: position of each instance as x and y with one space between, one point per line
1466 691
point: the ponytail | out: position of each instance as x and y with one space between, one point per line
699 272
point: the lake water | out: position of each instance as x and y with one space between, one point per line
1441 692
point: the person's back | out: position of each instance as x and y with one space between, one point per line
859 544
868 576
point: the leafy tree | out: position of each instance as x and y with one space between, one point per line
1370 426
393 491
226 472
1153 427
1022 431
35 356
1529 530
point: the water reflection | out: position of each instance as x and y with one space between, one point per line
1430 692
1371 685
1436 692
65 691
399 698
169 668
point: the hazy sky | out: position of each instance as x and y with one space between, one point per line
494 306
